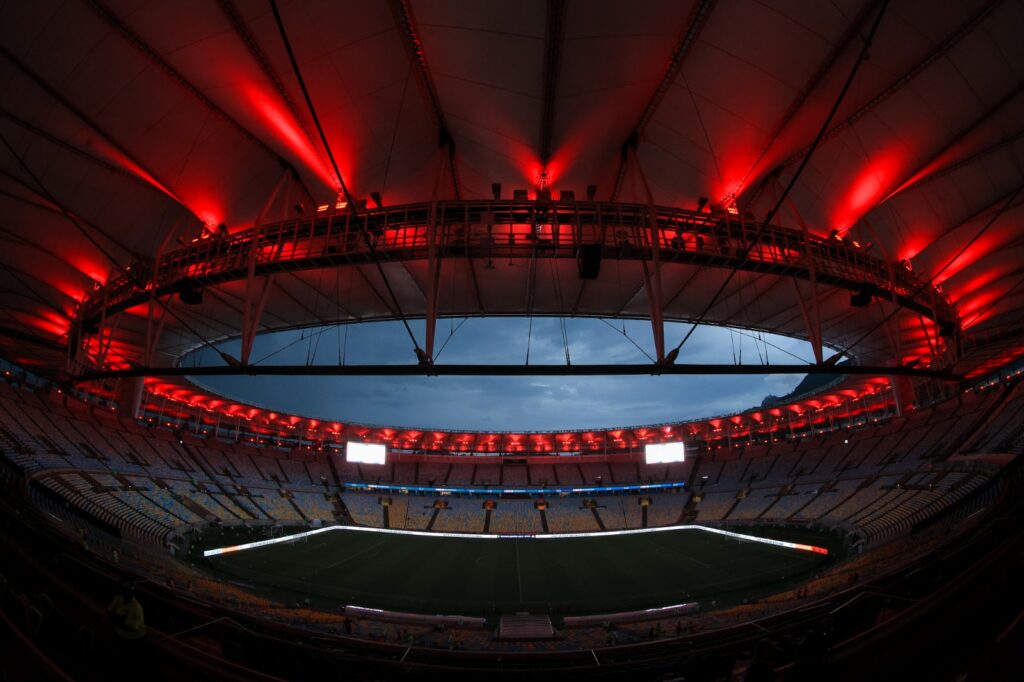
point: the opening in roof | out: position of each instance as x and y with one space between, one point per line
497 403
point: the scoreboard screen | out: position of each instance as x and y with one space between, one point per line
663 453
364 453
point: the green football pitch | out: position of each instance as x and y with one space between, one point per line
561 576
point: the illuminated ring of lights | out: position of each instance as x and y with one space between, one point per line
516 229
485 229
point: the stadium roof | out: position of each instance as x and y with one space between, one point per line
132 130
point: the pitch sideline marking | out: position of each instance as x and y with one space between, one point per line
494 536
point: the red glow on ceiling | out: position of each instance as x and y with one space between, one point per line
911 248
93 268
868 188
968 288
58 327
72 290
976 251
288 132
978 308
118 158
56 319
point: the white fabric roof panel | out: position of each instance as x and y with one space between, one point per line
145 156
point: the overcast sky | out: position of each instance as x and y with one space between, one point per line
509 403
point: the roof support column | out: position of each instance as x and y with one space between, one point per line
903 394
654 294
251 322
433 280
652 274
79 344
155 322
932 343
251 315
105 346
895 340
811 321
434 259
129 397
812 316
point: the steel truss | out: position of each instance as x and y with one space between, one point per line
517 229
511 370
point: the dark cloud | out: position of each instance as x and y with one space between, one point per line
506 403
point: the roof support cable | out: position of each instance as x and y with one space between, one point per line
302 337
704 129
475 370
367 239
628 338
314 339
776 347
861 58
337 325
565 340
245 35
561 318
309 104
394 132
529 337
454 329
343 347
839 47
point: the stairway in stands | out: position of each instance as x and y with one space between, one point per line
600 523
199 461
298 509
735 503
340 511
334 473
433 518
811 498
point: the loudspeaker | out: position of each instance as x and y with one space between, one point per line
863 295
189 293
589 261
